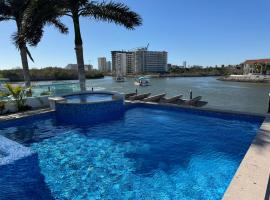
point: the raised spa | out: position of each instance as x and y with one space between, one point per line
89 98
89 107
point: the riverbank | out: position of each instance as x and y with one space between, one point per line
247 78
194 72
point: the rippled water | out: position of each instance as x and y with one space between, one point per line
88 98
247 97
148 154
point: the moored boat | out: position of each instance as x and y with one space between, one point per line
142 81
120 79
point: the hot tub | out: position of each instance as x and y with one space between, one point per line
89 107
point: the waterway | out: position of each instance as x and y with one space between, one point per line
236 96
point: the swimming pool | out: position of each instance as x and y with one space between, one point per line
152 152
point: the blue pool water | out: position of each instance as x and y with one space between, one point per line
148 154
86 98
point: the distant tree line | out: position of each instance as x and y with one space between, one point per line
48 74
209 71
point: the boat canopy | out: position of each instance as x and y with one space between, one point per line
143 78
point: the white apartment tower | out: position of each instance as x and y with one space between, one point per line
122 62
139 61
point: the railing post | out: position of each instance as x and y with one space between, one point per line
269 103
190 94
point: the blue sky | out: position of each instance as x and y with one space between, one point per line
202 32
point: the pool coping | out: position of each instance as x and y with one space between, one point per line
198 108
19 115
251 180
115 97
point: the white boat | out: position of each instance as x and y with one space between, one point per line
120 79
142 81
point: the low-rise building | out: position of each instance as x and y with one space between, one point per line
258 66
172 66
75 67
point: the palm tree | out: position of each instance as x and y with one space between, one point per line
109 12
16 10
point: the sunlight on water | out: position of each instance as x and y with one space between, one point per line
148 154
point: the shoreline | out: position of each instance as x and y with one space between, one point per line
246 78
171 75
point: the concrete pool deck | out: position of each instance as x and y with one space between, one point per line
19 115
251 179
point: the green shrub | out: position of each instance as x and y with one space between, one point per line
19 94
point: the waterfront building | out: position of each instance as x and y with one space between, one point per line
108 66
75 67
258 66
185 64
122 62
172 66
139 61
150 61
88 67
102 64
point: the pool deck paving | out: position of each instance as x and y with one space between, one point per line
24 114
252 179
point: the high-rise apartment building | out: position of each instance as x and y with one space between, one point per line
122 62
139 61
150 61
109 66
102 64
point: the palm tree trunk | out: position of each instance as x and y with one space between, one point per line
23 52
79 51
25 67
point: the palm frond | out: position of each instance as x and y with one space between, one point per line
5 9
59 25
29 54
39 14
118 13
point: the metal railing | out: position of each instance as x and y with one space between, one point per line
269 103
